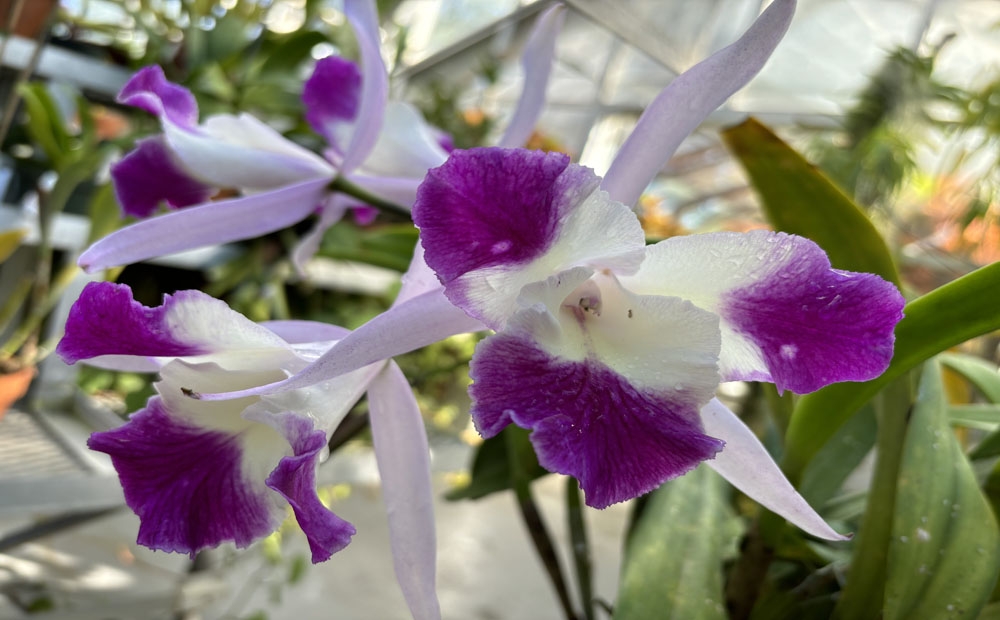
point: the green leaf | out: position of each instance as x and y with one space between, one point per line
982 417
44 126
491 468
939 320
673 560
388 246
797 198
944 555
838 458
978 371
990 446
287 54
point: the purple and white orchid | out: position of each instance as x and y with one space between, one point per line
608 350
384 147
199 474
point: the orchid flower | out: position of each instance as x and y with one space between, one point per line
383 147
200 473
611 351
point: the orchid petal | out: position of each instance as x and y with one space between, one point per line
402 454
149 176
242 152
536 59
363 17
418 279
300 332
522 216
150 90
331 98
295 480
105 320
746 464
611 386
400 190
127 363
406 147
787 316
208 224
689 99
416 323
331 213
187 484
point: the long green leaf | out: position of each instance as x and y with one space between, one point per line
941 319
982 417
799 199
944 555
978 371
673 561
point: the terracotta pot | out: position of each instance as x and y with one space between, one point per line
32 19
13 386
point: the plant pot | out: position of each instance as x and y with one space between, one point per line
13 386
32 18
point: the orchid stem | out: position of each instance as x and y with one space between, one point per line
863 594
581 550
517 444
340 184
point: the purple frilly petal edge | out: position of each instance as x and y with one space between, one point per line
587 421
185 483
149 175
504 205
331 97
295 480
150 90
815 325
106 320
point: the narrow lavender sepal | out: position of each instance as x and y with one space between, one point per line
689 99
205 225
150 90
330 213
587 421
418 279
536 59
185 483
402 454
295 480
299 332
416 323
149 176
106 320
747 465
505 203
363 18
331 97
